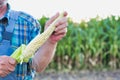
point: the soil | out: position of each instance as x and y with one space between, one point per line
81 75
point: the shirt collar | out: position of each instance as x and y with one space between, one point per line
6 15
7 12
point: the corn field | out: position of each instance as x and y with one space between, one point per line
93 45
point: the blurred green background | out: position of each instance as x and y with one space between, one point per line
88 45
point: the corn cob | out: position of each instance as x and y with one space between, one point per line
36 43
16 54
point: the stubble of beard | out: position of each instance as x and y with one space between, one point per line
3 2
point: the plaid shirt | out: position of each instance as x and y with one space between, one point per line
25 29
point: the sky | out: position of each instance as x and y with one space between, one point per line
77 9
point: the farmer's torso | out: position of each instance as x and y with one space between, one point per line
16 29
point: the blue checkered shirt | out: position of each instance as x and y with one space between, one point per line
25 29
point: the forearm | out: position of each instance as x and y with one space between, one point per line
43 56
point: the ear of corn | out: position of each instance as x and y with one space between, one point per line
25 53
16 54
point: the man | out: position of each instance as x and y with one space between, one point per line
18 28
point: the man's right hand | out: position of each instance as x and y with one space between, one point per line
7 65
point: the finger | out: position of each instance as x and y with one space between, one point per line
61 21
11 68
11 61
52 19
12 64
60 27
7 69
3 67
4 73
65 13
57 37
61 32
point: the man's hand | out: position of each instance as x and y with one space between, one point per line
7 65
61 28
